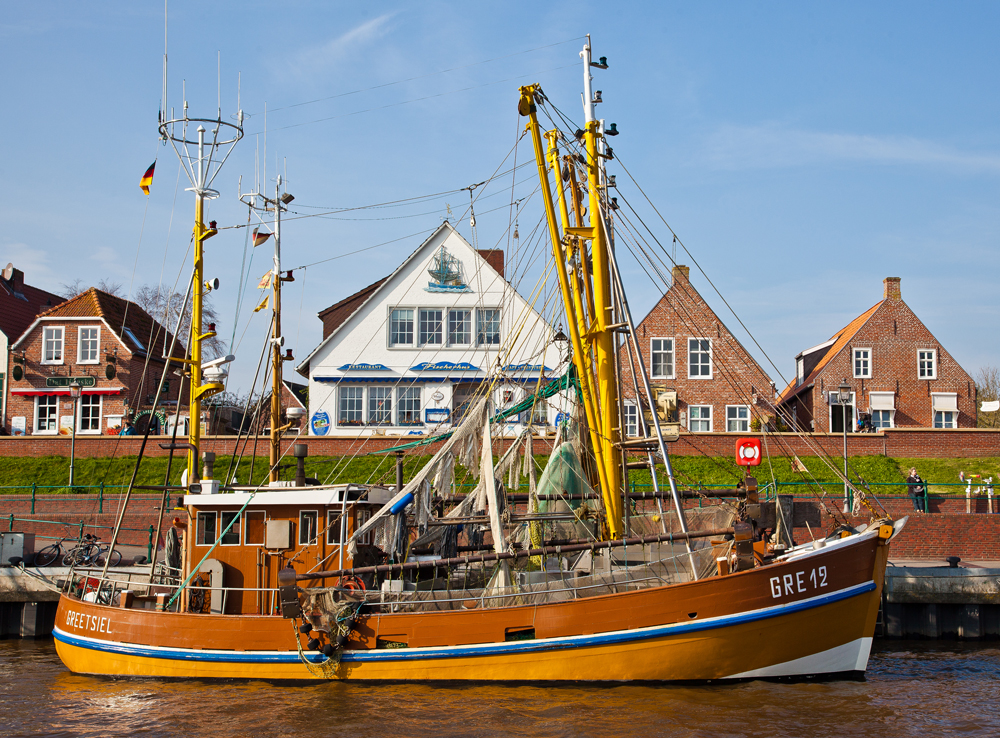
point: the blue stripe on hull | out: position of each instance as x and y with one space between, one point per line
486 649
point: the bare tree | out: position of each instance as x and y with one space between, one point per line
165 306
988 390
78 286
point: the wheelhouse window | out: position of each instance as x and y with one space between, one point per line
380 405
230 537
488 327
88 343
90 414
662 358
351 406
699 358
52 344
862 363
206 533
46 414
334 521
408 406
927 364
430 328
308 527
401 327
700 418
459 327
631 420
737 418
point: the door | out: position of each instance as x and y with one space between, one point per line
837 413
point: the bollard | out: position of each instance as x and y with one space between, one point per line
100 499
11 527
149 546
33 488
81 530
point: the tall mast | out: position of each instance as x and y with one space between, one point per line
202 159
277 366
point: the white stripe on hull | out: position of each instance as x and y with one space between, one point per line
851 656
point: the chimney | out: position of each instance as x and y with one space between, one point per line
16 281
681 273
892 291
493 257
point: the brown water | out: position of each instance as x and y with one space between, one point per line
911 690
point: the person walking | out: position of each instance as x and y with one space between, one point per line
916 490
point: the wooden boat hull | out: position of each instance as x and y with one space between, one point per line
812 615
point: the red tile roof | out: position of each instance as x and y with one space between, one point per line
842 338
123 316
336 314
20 304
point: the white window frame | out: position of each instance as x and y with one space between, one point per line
314 541
62 343
480 321
630 421
341 422
471 327
401 394
413 327
745 420
711 361
854 411
238 525
866 372
440 326
79 414
333 527
79 344
951 422
892 419
362 516
652 358
46 432
934 363
370 411
699 419
201 528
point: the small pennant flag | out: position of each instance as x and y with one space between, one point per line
259 238
263 304
265 282
147 179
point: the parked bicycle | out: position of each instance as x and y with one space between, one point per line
51 554
91 551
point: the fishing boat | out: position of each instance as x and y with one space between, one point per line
574 580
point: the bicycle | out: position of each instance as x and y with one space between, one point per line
89 552
52 553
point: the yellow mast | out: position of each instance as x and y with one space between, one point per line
606 453
277 363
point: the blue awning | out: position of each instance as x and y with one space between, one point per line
444 366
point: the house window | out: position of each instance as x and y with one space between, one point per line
408 406
737 418
663 358
90 414
700 418
401 327
430 327
862 363
459 327
87 345
927 364
699 358
631 420
945 419
308 522
52 345
230 537
351 406
540 412
488 327
333 523
881 419
46 414
206 533
380 405
360 518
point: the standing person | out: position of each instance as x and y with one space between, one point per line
916 490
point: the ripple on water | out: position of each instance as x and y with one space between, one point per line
911 690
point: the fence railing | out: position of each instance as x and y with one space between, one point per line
82 526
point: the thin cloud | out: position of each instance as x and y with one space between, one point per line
319 58
773 146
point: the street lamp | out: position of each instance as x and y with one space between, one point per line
74 392
845 400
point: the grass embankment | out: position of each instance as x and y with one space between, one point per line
50 474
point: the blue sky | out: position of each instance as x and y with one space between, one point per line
803 152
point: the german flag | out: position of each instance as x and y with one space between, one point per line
259 238
147 179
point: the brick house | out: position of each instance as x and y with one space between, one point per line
704 378
897 370
102 342
20 303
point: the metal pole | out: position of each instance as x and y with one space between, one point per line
194 398
72 447
277 374
843 408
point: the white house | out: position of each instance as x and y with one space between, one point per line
408 354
